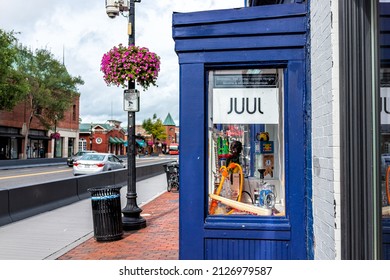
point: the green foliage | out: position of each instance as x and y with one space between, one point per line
35 77
51 88
13 86
155 127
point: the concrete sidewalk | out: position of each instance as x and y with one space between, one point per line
67 232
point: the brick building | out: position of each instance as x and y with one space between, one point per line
40 144
170 130
147 145
109 137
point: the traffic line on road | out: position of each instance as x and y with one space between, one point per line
33 174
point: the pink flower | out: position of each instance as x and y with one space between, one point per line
55 136
131 63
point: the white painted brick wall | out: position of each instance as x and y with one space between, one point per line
325 128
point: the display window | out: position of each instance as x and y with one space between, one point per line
385 140
246 142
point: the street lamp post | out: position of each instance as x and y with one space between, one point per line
131 219
55 138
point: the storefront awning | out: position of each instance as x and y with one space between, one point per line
11 135
119 140
112 140
116 140
141 143
39 137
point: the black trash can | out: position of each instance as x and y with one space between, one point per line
172 172
106 213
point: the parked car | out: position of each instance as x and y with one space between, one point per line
173 149
76 156
97 162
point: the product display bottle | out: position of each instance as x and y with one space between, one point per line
266 195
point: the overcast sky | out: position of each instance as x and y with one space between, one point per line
81 32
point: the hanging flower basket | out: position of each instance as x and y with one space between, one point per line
55 136
130 63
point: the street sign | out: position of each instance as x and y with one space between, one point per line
131 100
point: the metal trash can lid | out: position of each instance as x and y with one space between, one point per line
104 189
106 197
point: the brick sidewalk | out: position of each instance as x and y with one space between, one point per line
158 241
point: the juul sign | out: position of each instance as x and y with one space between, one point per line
242 106
385 105
245 106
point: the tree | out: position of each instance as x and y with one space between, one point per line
13 86
51 89
154 127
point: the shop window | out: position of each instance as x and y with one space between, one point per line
70 146
246 144
36 148
82 144
14 148
58 147
385 139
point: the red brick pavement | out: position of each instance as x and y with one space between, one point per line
158 241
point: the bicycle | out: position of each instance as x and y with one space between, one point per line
173 179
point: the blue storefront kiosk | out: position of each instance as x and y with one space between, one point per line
244 121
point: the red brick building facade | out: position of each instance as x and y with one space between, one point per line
172 132
109 137
39 143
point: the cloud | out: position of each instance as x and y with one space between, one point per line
80 32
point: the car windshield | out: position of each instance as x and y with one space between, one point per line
92 157
81 153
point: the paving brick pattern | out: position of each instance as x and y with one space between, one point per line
158 241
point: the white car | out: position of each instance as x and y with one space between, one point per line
96 162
